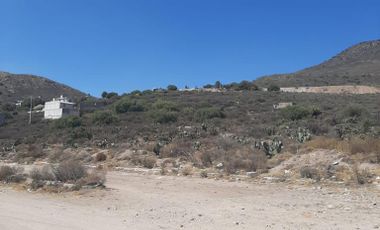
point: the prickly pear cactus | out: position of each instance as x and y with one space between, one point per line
303 135
270 147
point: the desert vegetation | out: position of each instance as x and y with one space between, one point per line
65 176
229 132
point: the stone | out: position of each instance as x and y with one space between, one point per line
251 174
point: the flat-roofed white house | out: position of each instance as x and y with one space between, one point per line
282 105
60 107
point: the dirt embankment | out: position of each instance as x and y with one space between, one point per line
343 89
135 201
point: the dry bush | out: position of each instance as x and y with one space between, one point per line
245 159
351 146
100 157
187 170
149 162
177 149
368 145
310 172
59 155
205 158
163 170
10 174
204 174
94 178
43 174
362 176
278 159
29 153
69 171
145 161
323 143
6 172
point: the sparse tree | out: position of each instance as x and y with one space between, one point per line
172 88
218 85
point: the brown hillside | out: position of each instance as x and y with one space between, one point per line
15 87
357 65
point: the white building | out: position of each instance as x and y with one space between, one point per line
60 107
282 105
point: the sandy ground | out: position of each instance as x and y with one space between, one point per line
134 201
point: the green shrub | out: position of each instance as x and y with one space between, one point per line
203 114
274 88
104 118
127 105
68 122
165 105
109 95
246 85
295 113
354 111
172 88
8 107
136 92
316 112
163 116
79 133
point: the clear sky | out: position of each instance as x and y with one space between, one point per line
121 45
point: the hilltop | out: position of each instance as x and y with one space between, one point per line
15 87
357 65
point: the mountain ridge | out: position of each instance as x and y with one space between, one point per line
356 65
15 87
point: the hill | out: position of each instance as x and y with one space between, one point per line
15 87
357 65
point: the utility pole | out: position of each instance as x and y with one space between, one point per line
31 110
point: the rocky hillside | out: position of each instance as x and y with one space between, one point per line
15 87
357 65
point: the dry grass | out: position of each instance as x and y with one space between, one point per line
146 161
353 146
177 149
245 159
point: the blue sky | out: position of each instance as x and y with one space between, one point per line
122 45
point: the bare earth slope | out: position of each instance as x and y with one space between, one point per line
15 87
153 202
359 64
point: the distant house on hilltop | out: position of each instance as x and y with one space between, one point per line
60 107
282 105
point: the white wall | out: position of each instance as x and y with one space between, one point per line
57 110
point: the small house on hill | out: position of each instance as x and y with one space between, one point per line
282 105
60 107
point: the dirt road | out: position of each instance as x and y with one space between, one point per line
144 202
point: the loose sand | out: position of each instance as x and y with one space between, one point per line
134 201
